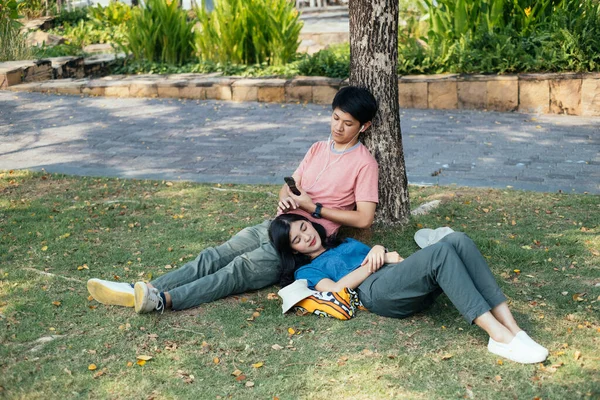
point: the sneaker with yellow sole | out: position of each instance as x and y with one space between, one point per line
111 293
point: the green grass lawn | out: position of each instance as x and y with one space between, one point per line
58 231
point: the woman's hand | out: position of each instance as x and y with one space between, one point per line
287 204
375 259
393 257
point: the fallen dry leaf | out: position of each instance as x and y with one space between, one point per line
144 357
56 303
44 248
258 365
129 363
499 362
498 378
272 296
240 378
237 372
141 363
578 296
216 360
99 374
291 331
249 384
446 356
577 355
276 347
92 367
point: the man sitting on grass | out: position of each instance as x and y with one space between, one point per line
337 180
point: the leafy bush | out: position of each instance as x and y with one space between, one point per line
333 62
96 24
204 67
159 31
248 32
71 16
13 43
59 50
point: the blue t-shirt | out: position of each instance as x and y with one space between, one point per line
335 263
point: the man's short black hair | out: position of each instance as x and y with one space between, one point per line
356 101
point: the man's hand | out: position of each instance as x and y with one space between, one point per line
375 259
393 257
303 201
286 204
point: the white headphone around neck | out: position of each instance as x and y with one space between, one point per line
362 129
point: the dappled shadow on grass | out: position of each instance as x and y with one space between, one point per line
132 229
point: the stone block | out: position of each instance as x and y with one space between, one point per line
442 95
503 93
10 77
565 96
168 91
534 96
193 92
590 97
298 94
472 95
41 70
244 90
412 94
143 89
27 87
94 88
323 94
271 94
315 81
223 91
119 89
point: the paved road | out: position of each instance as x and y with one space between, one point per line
226 142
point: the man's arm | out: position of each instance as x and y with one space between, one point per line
362 217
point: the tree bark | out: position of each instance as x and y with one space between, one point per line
373 65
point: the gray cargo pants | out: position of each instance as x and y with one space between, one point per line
454 266
245 262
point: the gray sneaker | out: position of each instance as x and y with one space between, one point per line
147 299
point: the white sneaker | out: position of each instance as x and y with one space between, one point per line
524 337
517 351
111 293
147 299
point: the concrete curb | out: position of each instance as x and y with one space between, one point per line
566 93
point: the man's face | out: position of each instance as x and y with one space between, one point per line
344 128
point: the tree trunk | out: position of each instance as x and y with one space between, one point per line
373 64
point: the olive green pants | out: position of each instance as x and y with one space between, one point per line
453 266
245 262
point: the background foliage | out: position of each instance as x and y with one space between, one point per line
248 32
13 44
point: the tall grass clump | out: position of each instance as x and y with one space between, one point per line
159 31
13 42
248 32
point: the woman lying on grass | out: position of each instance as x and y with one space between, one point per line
391 286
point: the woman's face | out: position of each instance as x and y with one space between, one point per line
305 239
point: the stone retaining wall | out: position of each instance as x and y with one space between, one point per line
573 94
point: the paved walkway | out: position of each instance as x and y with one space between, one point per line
226 142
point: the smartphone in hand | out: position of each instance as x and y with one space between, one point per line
292 185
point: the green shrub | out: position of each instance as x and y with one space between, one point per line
159 31
13 43
333 62
248 32
71 16
99 24
59 50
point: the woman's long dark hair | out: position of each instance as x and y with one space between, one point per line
279 233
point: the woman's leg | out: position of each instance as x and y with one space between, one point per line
400 290
483 278
478 269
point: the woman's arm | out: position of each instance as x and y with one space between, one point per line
352 281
